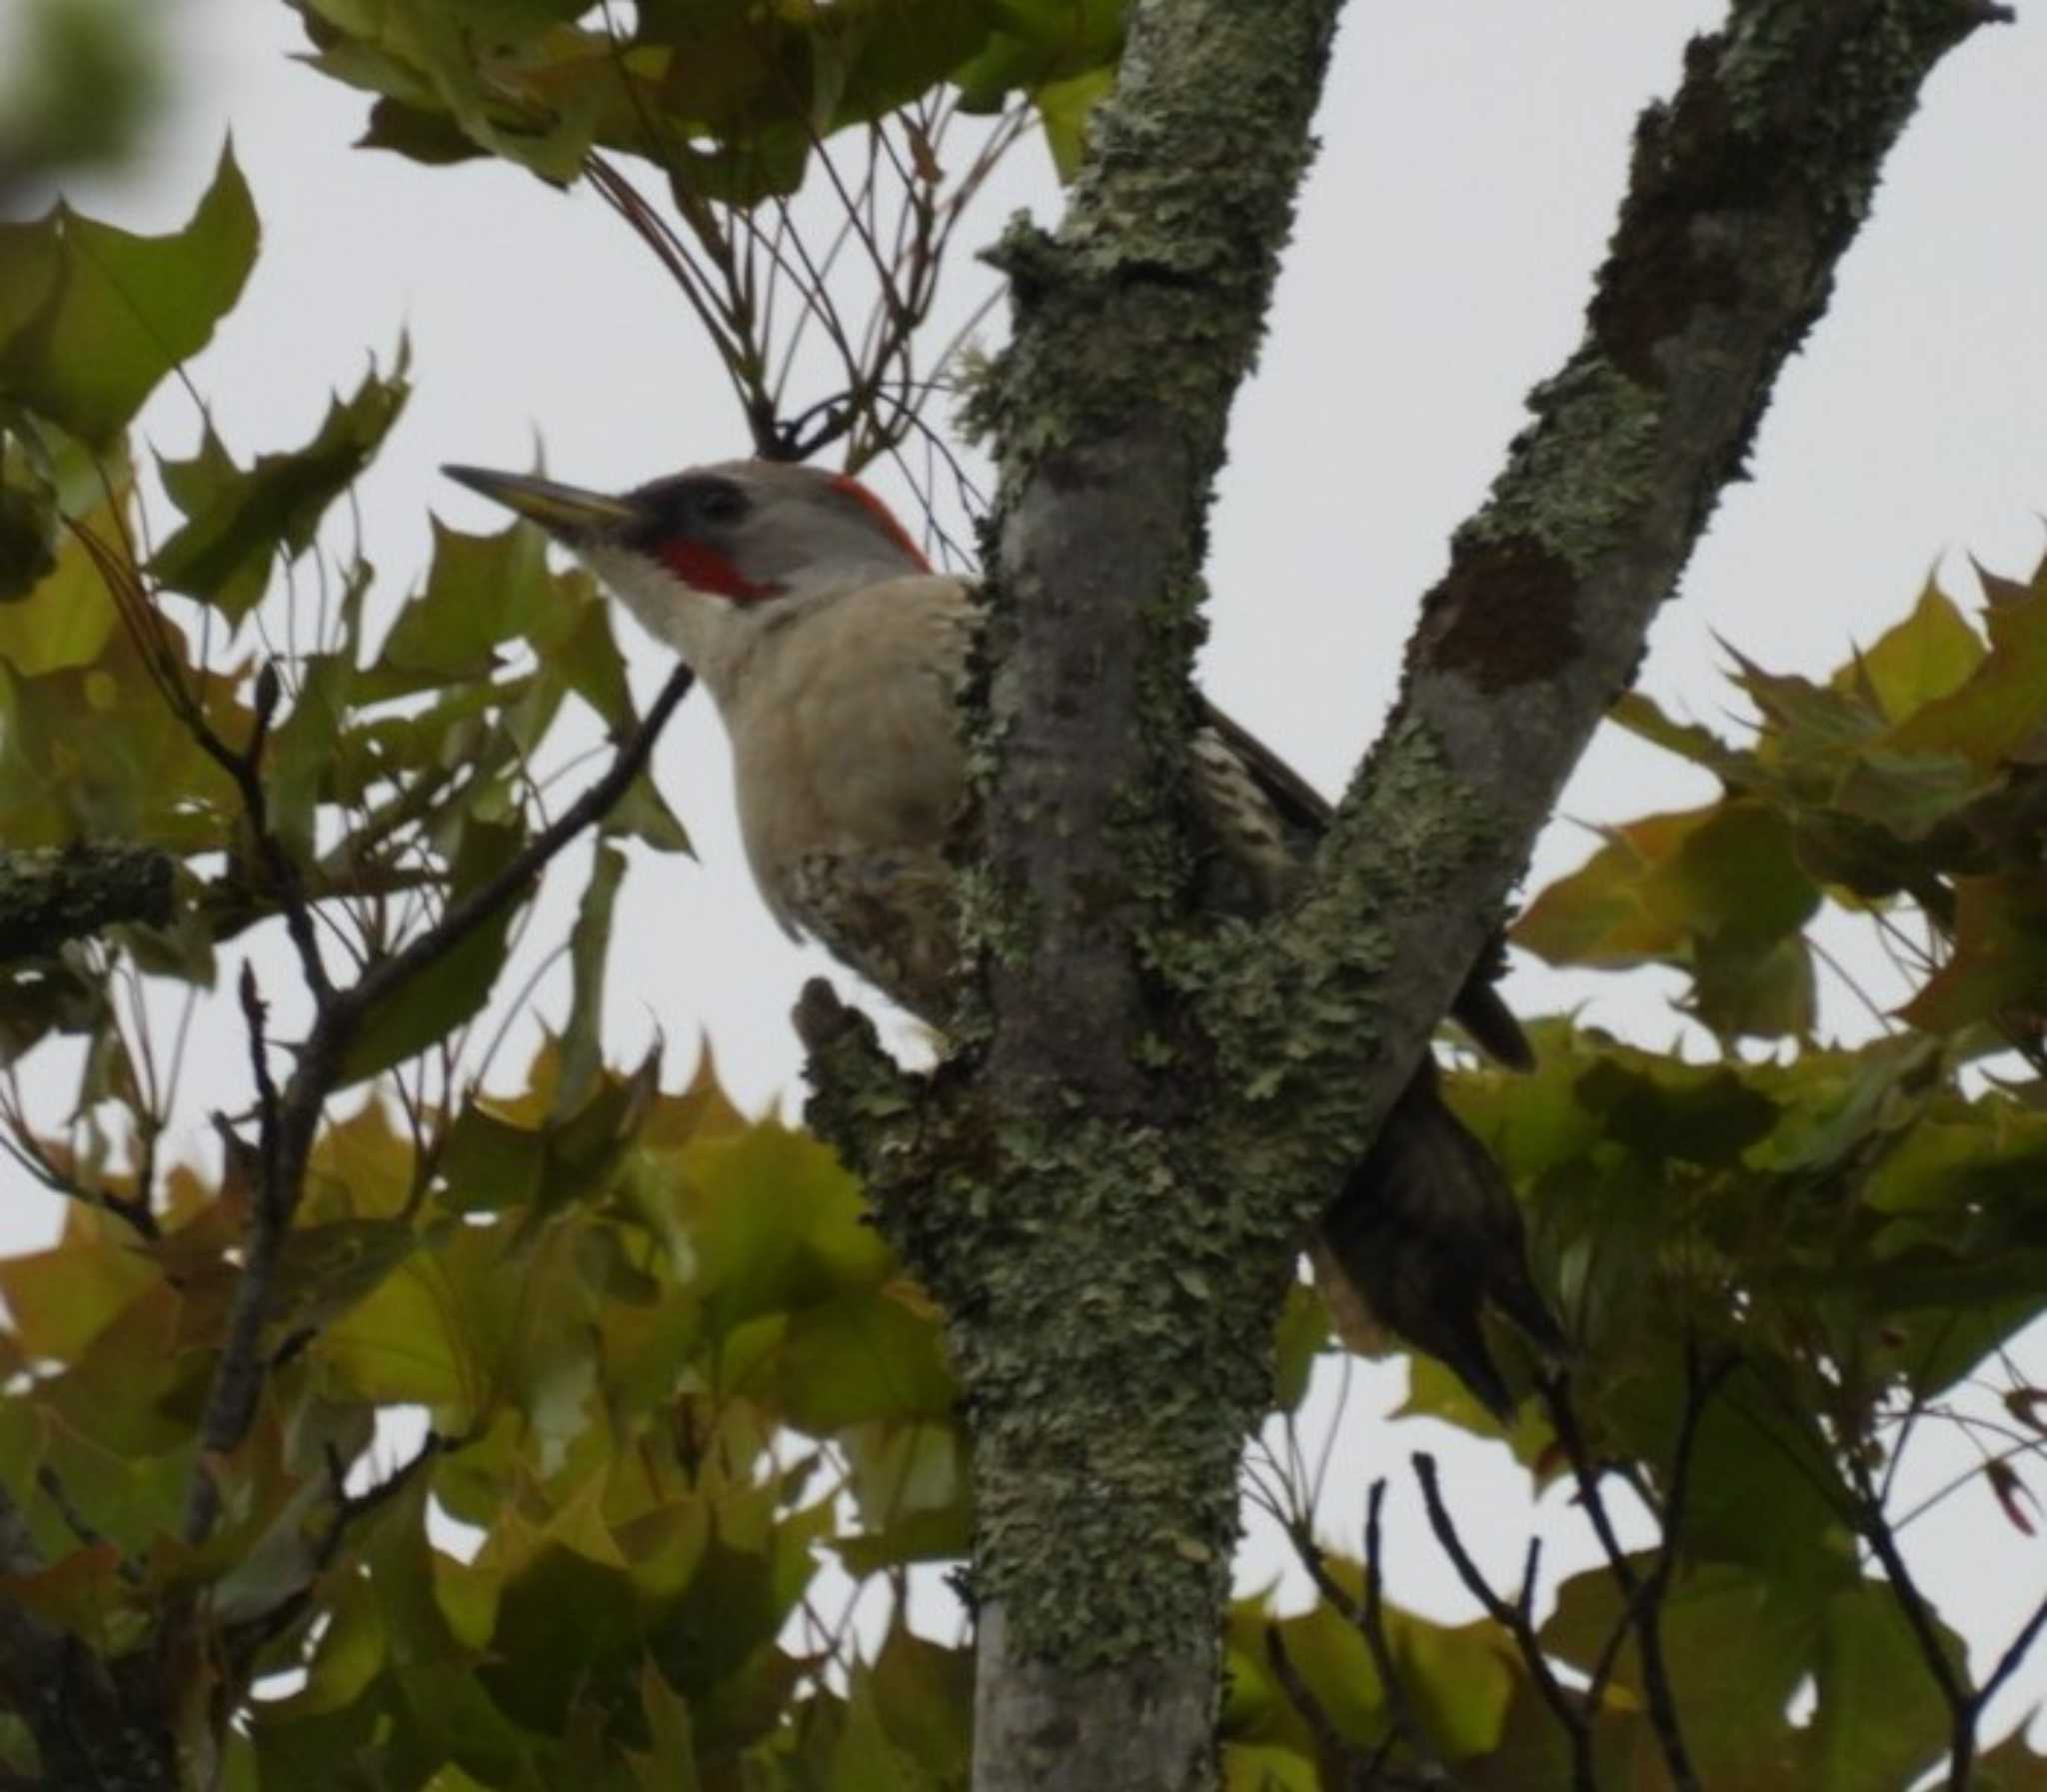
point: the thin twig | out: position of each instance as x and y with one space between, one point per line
240 1375
1367 1618
1514 1618
1360 1771
1700 1386
1913 1606
350 1509
468 915
2008 1662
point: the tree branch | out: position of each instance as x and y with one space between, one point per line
292 1116
1917 1612
49 895
2014 1654
1359 1772
1516 1617
1133 326
1745 192
1367 1616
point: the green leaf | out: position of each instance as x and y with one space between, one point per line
910 1483
1879 1719
2001 711
237 521
472 62
1744 989
1735 1651
670 1765
571 1564
1258 1767
104 315
59 1299
777 1225
28 529
491 1164
67 619
643 813
1707 1117
352 1651
1457 1679
923 1695
586 656
1807 727
1066 107
1929 655
865 1755
429 1007
429 137
589 944
1909 795
483 591
864 1356
1040 42
1730 872
1640 717
1301 1335
1999 962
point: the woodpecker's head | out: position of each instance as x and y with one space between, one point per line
710 559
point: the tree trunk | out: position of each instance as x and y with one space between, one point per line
1107 1184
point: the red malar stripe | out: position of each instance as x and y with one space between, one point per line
707 570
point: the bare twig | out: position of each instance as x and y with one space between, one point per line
1371 1621
1367 1617
1514 1617
468 915
2008 1662
246 1641
1965 1708
1642 1596
239 1376
1360 1771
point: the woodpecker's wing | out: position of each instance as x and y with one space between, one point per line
1296 802
1305 813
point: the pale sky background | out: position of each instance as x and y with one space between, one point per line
1474 151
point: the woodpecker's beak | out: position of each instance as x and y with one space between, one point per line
565 511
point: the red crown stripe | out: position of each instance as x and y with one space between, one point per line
844 481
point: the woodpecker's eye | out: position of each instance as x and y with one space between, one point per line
716 501
686 508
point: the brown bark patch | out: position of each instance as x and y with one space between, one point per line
1503 614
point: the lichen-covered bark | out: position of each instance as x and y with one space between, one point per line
48 896
98 1726
1105 1184
1745 191
1115 1358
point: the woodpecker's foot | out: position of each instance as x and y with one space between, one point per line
822 1019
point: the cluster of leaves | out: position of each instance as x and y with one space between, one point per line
1783 1272
400 774
728 98
663 1359
1851 1240
1869 1223
733 104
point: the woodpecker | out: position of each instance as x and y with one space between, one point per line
834 654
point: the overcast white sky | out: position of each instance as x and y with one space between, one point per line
1473 154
